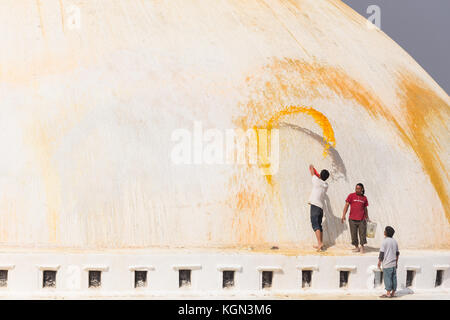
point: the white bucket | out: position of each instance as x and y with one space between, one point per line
371 228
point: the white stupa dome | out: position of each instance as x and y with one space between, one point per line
92 94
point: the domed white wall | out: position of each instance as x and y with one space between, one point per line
92 92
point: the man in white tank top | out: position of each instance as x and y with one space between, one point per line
316 201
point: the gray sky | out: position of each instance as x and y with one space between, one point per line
421 27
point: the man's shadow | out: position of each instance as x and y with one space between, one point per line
403 292
332 226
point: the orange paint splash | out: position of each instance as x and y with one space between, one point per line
248 221
284 80
318 117
264 141
426 116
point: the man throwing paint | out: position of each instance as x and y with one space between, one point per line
316 200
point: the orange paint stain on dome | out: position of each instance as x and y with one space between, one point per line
426 110
263 151
248 221
319 118
285 80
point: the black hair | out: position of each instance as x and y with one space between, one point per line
389 231
324 174
362 186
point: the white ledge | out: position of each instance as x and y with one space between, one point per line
308 267
441 266
48 267
413 268
141 268
346 268
229 268
6 266
269 268
95 268
187 266
374 268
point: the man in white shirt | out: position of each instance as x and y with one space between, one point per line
316 200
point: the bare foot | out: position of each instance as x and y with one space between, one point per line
355 249
361 250
316 246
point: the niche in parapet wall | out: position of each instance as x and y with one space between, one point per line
184 278
95 279
343 278
267 277
439 278
378 279
140 279
410 275
306 278
3 278
228 279
49 279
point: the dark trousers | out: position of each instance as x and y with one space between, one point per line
316 214
358 227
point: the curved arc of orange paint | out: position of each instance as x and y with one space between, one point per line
329 140
318 117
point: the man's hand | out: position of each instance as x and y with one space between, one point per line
379 264
345 211
311 169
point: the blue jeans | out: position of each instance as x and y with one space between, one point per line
390 278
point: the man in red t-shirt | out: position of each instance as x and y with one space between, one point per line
358 216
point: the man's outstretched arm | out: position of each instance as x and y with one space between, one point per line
313 171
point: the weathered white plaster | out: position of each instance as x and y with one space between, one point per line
6 266
87 114
25 279
53 267
187 266
441 266
141 268
308 267
229 268
346 268
413 268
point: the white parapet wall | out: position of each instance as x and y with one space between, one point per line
161 271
